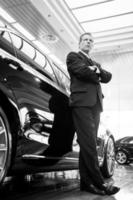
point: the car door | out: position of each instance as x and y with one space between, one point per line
130 146
32 88
42 103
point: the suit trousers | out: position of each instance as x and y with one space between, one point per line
86 122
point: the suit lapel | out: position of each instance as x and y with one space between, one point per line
87 60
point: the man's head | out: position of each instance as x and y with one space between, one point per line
86 42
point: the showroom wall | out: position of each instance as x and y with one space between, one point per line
118 101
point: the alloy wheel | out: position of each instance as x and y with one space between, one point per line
108 166
5 145
121 157
110 156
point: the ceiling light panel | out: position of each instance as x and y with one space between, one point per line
109 23
116 31
114 43
81 3
114 37
100 11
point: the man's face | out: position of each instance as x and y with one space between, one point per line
86 43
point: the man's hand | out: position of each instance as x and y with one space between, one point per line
95 69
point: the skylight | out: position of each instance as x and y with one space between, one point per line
101 11
109 23
81 3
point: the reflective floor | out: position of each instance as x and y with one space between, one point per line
64 185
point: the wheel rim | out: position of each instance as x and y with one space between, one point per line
110 156
3 149
121 157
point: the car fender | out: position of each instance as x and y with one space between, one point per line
7 96
10 108
124 150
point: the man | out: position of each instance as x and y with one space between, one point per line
86 102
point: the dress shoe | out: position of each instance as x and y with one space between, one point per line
92 189
110 189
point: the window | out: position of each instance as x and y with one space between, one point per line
17 41
40 59
23 50
5 42
131 142
30 55
28 49
23 46
63 79
6 36
49 69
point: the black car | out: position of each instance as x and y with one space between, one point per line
124 150
36 129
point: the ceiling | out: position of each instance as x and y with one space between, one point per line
58 23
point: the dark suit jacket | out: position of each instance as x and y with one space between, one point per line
85 84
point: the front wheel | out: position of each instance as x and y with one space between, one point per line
5 145
108 166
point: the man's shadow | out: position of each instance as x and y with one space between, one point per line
62 133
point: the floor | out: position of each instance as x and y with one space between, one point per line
64 186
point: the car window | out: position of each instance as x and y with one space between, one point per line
131 141
23 45
6 36
17 42
43 62
5 43
40 59
28 49
31 55
63 78
49 68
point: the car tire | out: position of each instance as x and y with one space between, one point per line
5 145
121 157
108 166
